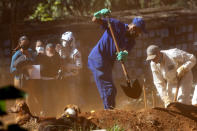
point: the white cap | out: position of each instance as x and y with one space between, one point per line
67 36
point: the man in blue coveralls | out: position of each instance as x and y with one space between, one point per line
104 54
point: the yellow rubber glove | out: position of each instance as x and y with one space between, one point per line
181 72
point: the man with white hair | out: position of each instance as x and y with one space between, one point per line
171 68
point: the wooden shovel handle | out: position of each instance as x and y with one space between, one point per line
177 90
118 50
145 99
176 93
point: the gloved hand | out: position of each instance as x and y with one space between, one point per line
180 72
166 101
122 56
101 13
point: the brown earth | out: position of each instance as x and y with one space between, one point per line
176 117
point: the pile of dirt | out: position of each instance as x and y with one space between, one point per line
176 117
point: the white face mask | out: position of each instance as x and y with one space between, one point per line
64 43
40 49
67 43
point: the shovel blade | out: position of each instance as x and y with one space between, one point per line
132 90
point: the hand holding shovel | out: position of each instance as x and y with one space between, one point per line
132 89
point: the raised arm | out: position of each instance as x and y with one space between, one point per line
97 18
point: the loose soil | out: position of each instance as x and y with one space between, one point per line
176 117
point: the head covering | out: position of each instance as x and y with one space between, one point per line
140 23
152 51
67 36
68 39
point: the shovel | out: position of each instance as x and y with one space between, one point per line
132 88
177 90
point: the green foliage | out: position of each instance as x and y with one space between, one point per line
2 107
42 13
48 10
116 128
56 9
10 92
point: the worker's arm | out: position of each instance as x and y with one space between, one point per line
158 80
97 18
13 69
161 84
190 61
186 60
78 59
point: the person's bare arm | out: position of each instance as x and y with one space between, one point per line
96 20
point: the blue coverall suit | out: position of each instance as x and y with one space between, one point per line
103 56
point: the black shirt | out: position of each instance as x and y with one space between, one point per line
49 65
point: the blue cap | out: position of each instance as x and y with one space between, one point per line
140 23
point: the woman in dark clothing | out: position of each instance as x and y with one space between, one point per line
51 62
49 72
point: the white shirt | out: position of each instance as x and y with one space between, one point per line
165 73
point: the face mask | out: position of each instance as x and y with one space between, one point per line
40 49
67 43
64 43
24 47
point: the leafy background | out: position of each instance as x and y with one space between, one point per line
47 10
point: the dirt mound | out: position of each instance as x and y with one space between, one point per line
176 117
